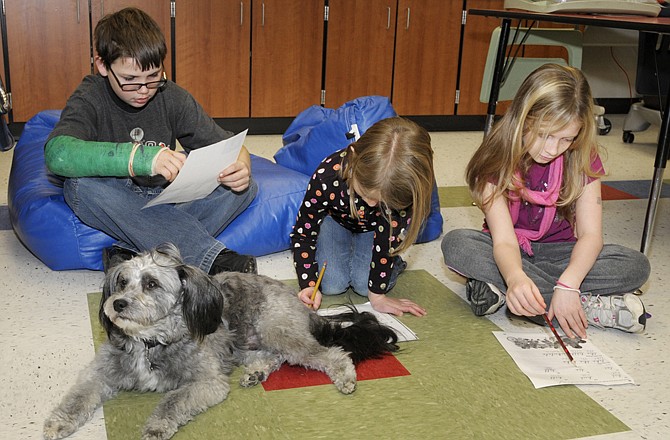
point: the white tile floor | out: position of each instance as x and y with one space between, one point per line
46 337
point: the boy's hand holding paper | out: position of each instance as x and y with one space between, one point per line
200 174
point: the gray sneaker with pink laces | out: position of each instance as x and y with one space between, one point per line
622 312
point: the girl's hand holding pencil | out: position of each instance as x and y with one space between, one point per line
311 296
305 295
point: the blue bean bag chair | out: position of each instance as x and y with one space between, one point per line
46 225
317 132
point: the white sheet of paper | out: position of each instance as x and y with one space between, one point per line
198 177
404 333
542 359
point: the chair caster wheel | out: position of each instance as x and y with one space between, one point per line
628 137
605 128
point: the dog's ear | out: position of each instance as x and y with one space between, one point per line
202 302
107 291
169 250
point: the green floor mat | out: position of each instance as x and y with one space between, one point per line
463 385
454 196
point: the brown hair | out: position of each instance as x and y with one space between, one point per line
395 158
130 33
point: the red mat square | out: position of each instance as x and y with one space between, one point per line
291 376
610 193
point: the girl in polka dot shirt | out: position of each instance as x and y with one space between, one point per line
364 205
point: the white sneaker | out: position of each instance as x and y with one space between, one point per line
622 312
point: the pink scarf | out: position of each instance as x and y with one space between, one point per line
547 199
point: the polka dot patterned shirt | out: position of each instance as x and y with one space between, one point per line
328 195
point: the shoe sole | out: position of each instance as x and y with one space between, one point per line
634 304
234 262
251 267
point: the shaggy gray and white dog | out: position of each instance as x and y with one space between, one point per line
174 329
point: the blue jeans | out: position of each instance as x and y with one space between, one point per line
349 255
617 269
114 206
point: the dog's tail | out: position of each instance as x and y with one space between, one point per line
358 333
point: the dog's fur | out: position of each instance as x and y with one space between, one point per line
174 329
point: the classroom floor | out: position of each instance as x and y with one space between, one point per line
46 333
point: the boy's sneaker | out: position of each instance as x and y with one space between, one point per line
484 298
622 312
231 261
399 265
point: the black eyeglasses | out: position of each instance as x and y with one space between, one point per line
132 87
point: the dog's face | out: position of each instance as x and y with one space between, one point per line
141 293
152 295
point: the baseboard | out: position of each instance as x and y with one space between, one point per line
430 122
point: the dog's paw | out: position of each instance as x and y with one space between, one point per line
343 375
250 379
347 386
56 427
158 430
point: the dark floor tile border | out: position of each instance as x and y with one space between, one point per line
5 224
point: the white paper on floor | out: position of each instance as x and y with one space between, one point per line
541 358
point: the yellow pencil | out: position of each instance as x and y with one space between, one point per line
318 280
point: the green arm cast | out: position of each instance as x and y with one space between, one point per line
71 157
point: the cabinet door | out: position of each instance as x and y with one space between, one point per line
48 53
286 56
359 58
159 10
426 58
212 42
476 39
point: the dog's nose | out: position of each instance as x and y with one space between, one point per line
120 304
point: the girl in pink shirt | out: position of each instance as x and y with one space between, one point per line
536 177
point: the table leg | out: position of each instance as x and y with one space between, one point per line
662 151
497 74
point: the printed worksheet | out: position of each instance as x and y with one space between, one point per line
404 333
539 355
198 177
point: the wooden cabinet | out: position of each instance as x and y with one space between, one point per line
212 45
401 49
48 53
259 58
212 52
286 56
268 58
159 10
49 48
426 57
359 54
3 118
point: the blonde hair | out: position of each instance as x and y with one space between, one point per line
551 98
395 158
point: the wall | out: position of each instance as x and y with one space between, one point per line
603 49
